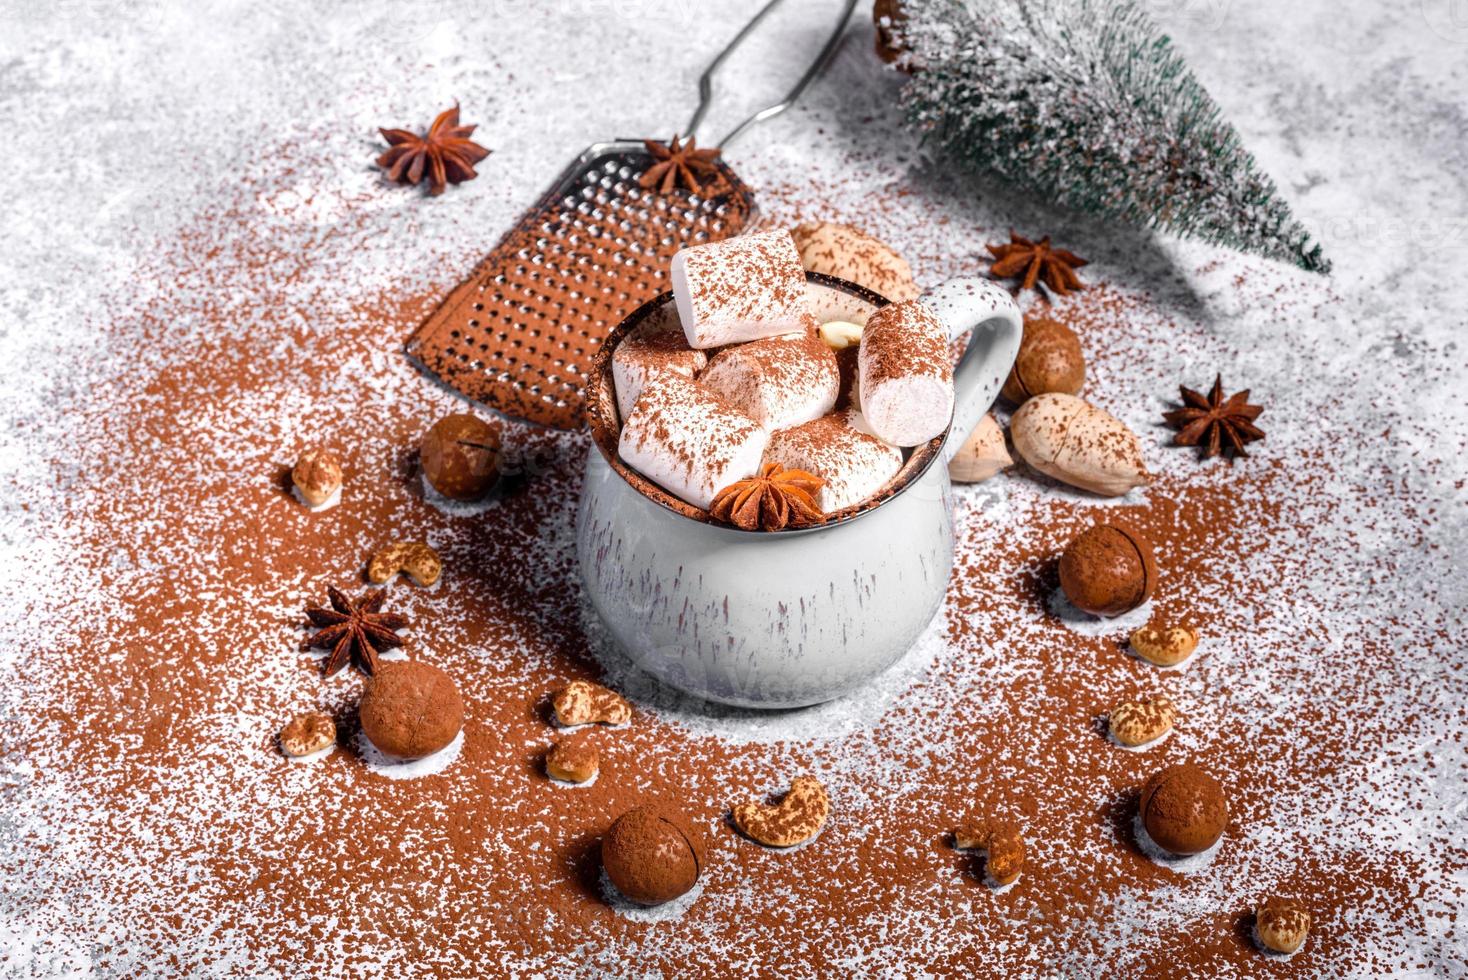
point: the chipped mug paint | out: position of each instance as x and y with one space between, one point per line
793 618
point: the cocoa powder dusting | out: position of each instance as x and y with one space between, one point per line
159 563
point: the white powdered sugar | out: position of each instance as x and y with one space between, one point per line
217 228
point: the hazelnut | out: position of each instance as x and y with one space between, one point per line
1049 359
1183 809
411 709
317 475
573 760
1282 924
307 734
651 855
1108 570
460 456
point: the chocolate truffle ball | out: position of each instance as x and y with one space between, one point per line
460 456
1108 570
411 709
1049 359
651 855
1183 809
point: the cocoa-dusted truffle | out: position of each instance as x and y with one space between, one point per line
411 709
460 456
1049 359
1108 570
1184 809
651 854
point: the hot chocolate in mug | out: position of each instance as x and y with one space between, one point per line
787 618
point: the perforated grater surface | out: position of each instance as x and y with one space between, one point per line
519 335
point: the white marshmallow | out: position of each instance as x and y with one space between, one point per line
739 289
778 381
853 463
905 372
649 352
688 440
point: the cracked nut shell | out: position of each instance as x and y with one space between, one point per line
651 854
1108 570
460 456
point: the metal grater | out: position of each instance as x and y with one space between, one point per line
519 335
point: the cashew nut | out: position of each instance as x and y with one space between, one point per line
1004 849
797 818
585 703
1136 723
572 760
307 733
414 557
1164 646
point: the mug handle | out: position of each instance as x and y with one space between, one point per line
987 312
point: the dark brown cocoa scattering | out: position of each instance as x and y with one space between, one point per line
652 855
1184 809
411 709
460 456
1108 570
1049 359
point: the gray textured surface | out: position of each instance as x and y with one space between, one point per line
128 125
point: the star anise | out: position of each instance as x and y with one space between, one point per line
775 499
354 631
445 154
1038 264
1215 422
675 162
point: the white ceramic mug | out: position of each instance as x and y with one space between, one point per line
789 618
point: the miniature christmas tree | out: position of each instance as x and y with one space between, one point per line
1086 103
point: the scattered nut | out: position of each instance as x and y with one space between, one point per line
414 557
840 334
849 253
1076 443
411 709
585 703
460 456
1136 723
1164 646
1183 809
1282 924
982 455
1003 847
1049 359
652 854
1108 569
574 760
307 733
317 475
890 17
797 818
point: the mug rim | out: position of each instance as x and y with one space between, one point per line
603 419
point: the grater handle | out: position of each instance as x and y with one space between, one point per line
706 80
